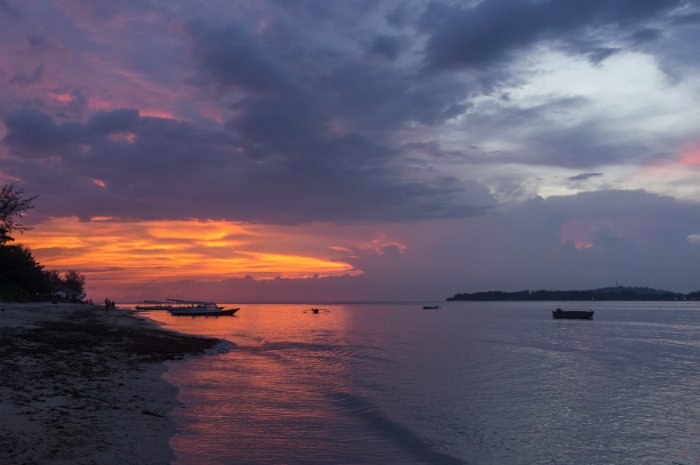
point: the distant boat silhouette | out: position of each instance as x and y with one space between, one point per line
316 311
572 314
430 307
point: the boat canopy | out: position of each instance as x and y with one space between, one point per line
190 302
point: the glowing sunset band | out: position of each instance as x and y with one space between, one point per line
108 250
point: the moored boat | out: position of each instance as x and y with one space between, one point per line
198 308
572 314
316 311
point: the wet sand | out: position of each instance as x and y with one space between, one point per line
82 385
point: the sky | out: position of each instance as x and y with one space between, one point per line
357 150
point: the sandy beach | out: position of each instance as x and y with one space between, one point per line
82 385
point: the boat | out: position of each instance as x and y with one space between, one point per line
198 308
430 307
572 314
316 311
153 305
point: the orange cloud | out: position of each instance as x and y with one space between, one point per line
98 104
62 98
156 114
122 252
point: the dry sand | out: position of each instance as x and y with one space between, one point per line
82 385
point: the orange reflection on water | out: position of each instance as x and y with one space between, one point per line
283 359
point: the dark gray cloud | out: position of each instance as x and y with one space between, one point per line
648 34
160 168
599 54
8 10
584 176
30 77
688 18
283 69
231 57
386 46
491 31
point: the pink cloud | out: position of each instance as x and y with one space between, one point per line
691 157
99 182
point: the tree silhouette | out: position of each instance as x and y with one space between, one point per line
75 282
21 276
13 204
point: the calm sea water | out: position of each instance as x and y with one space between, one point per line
470 383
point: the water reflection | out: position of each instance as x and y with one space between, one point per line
283 395
488 383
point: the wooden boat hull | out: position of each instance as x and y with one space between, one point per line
188 312
572 314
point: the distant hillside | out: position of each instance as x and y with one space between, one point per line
606 293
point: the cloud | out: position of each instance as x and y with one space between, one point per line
26 78
577 241
690 18
493 31
584 176
232 57
311 82
162 168
386 46
8 10
113 250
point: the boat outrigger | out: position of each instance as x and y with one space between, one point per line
198 308
572 314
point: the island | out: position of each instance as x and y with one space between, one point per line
605 293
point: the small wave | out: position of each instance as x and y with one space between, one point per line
313 347
393 431
222 347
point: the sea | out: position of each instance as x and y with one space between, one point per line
492 383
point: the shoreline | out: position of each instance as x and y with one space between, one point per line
84 385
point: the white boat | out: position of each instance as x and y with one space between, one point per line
198 308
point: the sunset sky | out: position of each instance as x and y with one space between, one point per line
355 150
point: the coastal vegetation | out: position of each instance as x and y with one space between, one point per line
606 293
22 277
